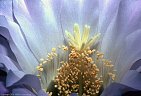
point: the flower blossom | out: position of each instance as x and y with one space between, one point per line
33 28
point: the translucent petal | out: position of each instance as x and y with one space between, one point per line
6 8
125 22
18 45
39 26
22 92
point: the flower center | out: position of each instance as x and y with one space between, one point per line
76 68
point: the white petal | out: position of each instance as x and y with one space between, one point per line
125 21
108 9
130 53
6 8
18 45
39 26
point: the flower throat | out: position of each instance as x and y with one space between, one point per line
76 67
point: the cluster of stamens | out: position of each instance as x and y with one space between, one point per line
50 56
79 75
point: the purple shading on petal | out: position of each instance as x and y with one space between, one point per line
13 77
22 92
139 69
129 85
30 80
3 89
116 89
5 48
132 79
136 65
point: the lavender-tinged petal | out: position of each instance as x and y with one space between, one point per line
129 85
3 46
7 58
132 79
82 12
3 69
3 89
109 38
46 16
13 77
6 50
136 65
26 80
115 43
116 89
129 16
89 12
127 12
139 69
12 33
130 52
9 63
108 10
16 79
22 92
38 31
126 21
6 8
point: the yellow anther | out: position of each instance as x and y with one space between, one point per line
41 69
38 67
50 94
44 62
112 75
38 75
89 59
65 48
53 49
55 54
89 52
41 64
